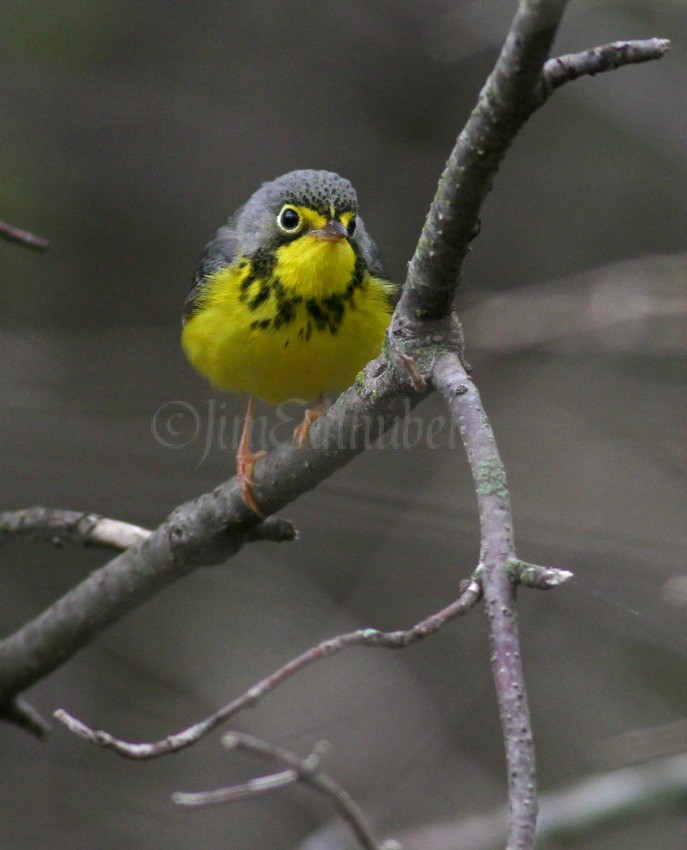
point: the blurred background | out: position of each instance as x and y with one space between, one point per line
130 130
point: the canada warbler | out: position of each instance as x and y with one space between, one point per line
289 300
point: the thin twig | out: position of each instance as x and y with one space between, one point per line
60 526
23 237
298 770
470 595
231 794
597 60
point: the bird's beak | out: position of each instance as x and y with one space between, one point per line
333 231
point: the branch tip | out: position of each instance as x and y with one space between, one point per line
74 725
532 575
230 740
273 529
597 60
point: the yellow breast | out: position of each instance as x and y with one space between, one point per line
306 327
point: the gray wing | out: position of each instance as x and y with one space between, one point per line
370 252
219 252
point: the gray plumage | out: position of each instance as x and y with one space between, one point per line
253 230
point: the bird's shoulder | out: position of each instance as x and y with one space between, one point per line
375 265
220 251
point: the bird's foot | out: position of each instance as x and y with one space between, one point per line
300 435
245 461
408 365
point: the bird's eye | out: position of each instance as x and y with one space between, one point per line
289 220
351 226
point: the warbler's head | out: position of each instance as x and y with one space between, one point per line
309 221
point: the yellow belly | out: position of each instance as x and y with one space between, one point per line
294 361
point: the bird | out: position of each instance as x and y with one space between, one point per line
288 301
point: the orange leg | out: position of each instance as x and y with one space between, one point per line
410 367
300 435
246 460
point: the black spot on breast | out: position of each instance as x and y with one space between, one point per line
261 266
286 305
317 312
245 286
334 306
260 324
262 263
261 296
356 282
327 314
286 313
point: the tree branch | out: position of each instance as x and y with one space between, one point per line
497 559
194 535
505 103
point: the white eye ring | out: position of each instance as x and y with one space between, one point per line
289 220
